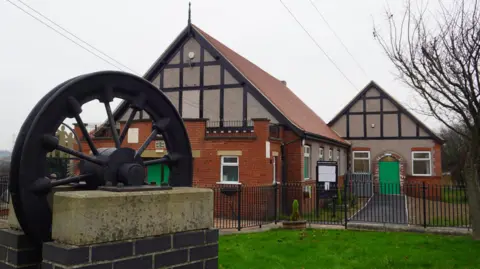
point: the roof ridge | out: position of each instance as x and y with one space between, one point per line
294 95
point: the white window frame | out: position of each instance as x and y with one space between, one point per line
222 164
429 159
362 158
321 153
309 156
330 154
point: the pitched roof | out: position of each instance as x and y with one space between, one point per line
277 93
274 90
373 84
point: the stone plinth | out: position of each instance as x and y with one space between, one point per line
12 218
16 250
92 217
151 229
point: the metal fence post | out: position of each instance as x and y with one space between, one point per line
345 184
275 203
424 205
239 203
317 198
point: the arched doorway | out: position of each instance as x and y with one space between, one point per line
389 175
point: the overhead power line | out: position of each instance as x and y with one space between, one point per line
72 34
185 100
67 37
318 45
338 38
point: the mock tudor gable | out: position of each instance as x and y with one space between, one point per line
205 79
374 114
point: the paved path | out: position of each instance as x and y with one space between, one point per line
383 209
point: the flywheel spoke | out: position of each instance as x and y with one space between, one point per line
147 142
111 122
106 99
169 159
51 143
137 105
127 125
74 110
46 184
159 126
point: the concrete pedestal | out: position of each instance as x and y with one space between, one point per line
16 250
99 229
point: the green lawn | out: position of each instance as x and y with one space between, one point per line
346 249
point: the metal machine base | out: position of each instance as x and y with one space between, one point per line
134 188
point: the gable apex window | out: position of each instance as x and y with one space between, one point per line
421 163
361 161
229 169
306 162
320 153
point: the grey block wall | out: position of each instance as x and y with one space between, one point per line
16 251
186 250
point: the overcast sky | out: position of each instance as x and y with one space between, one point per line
34 58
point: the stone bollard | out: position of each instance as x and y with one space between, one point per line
116 230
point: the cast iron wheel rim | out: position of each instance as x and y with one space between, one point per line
36 214
13 186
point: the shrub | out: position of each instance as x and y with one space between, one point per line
295 211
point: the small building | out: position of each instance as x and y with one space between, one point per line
388 141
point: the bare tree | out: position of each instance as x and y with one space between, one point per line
454 152
439 59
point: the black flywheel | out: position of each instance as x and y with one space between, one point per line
119 166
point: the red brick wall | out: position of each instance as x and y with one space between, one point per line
254 167
437 159
145 128
256 203
294 156
414 187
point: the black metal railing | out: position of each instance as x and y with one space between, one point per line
357 200
237 206
4 196
229 128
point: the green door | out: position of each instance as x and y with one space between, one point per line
158 174
389 178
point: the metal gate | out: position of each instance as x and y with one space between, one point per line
361 184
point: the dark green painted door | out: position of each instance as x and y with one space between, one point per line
158 174
389 177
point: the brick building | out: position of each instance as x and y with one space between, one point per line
388 141
248 128
245 126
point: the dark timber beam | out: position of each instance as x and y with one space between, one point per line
202 70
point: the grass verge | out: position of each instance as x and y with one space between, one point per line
346 249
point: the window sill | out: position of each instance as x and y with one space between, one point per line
416 175
229 183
